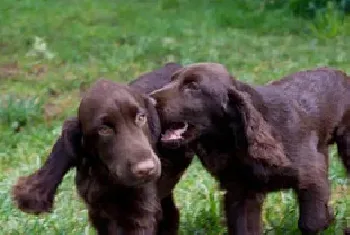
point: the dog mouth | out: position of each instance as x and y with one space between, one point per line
131 181
178 133
141 182
134 182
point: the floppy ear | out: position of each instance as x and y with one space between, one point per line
153 119
155 79
262 146
35 193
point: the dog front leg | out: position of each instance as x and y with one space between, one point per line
253 206
101 225
169 224
315 213
243 213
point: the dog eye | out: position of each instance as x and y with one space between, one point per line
174 76
193 85
105 130
140 119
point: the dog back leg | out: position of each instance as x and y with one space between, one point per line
342 139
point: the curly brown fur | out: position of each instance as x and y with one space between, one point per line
137 207
35 193
256 140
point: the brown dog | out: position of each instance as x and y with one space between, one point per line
112 145
255 140
347 231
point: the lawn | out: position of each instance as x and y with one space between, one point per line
50 51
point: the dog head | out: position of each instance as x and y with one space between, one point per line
116 124
203 98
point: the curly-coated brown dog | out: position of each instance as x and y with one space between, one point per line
113 145
255 140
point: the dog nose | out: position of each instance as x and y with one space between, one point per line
144 168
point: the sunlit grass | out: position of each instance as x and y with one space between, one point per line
84 40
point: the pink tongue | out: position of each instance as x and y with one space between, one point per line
172 135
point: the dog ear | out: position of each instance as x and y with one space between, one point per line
153 119
262 146
35 193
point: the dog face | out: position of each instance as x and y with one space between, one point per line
190 105
114 122
203 98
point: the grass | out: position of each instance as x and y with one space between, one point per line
51 50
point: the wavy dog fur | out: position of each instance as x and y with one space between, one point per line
259 139
35 193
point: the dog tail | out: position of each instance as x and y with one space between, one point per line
35 193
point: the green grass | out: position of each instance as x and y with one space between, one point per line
51 50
